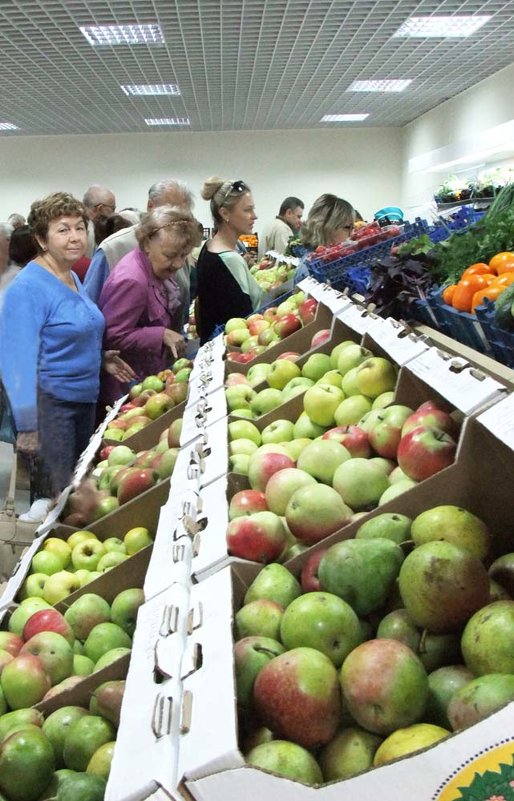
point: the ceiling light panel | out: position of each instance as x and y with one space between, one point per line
344 117
167 121
441 26
150 89
129 34
8 126
380 85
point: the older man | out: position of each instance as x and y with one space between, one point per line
285 225
16 220
163 193
98 202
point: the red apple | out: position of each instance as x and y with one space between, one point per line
256 326
104 452
425 451
237 337
286 325
353 438
235 378
133 484
253 317
246 502
48 620
292 355
10 642
158 404
309 578
260 537
24 681
271 314
430 415
264 464
320 338
177 392
307 310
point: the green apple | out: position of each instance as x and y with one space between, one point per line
60 548
281 372
360 483
239 463
54 652
275 583
82 665
284 758
87 554
250 656
86 612
26 609
349 383
45 562
321 459
452 524
242 446
246 413
100 762
114 544
110 560
104 637
136 539
258 373
113 434
316 366
282 485
305 427
33 586
124 608
375 376
332 377
26 765
111 656
24 681
314 512
57 725
80 536
278 431
383 400
239 396
243 429
84 737
334 353
266 400
351 751
351 410
296 446
388 525
398 488
259 618
296 387
121 455
352 356
234 323
320 403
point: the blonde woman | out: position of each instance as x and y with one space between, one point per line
329 222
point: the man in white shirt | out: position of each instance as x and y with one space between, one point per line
285 225
98 202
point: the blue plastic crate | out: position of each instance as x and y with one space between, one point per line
460 221
501 342
333 272
462 326
357 280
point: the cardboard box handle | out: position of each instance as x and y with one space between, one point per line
169 620
187 712
161 716
195 618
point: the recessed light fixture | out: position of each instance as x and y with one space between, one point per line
380 85
344 117
109 35
441 27
168 121
145 89
8 126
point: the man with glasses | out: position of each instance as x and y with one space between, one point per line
98 202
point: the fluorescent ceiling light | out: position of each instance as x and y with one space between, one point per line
344 117
441 27
8 126
143 89
168 121
379 85
108 35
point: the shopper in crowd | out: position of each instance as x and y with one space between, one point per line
105 226
16 220
329 222
22 246
98 202
141 299
285 225
225 286
7 270
50 344
168 192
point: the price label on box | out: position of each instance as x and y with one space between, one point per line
395 339
466 388
357 318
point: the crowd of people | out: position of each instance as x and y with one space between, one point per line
92 300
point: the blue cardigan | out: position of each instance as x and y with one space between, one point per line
50 337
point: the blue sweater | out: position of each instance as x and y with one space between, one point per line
50 337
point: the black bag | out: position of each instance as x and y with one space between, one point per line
7 425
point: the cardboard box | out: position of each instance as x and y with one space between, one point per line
150 434
146 756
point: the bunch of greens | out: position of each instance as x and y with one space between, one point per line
397 282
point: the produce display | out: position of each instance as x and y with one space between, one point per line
385 644
64 565
364 235
271 275
480 282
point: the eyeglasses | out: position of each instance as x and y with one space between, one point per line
236 186
107 206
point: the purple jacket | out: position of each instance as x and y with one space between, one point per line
137 308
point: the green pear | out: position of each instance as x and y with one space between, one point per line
275 583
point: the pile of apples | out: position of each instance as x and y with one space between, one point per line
389 642
350 450
65 756
258 332
271 276
44 652
62 566
150 399
122 474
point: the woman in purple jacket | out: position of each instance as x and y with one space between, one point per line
141 300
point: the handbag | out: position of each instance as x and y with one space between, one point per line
15 536
7 425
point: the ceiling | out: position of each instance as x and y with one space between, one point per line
240 64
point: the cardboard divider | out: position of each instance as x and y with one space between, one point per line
146 757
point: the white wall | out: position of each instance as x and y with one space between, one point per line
453 126
361 165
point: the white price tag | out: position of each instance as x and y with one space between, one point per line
499 420
467 389
356 318
309 285
395 339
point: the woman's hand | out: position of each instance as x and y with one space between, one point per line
27 442
115 366
175 342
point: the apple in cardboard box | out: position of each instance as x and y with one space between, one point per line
424 451
260 537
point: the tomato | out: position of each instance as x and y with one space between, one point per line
477 269
491 292
466 288
448 293
498 262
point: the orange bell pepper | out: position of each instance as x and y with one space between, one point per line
491 292
466 288
480 268
500 261
447 294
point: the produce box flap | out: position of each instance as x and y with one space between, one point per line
396 340
499 420
173 545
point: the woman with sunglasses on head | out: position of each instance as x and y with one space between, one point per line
141 301
329 222
225 286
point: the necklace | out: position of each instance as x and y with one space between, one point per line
65 278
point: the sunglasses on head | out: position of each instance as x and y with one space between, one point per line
236 186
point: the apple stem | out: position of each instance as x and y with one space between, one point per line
422 643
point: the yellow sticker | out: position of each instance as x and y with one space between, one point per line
488 776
